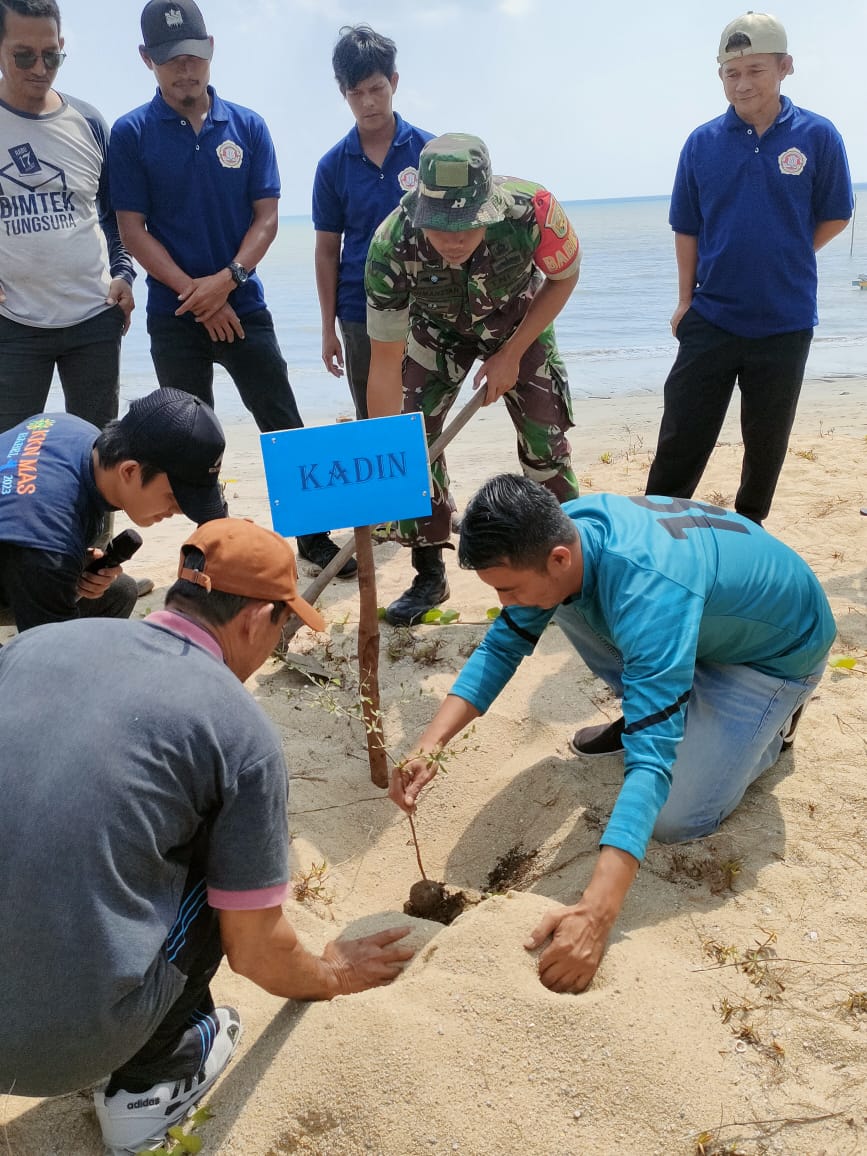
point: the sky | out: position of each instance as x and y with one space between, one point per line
591 100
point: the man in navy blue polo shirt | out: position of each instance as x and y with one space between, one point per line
758 190
195 185
357 184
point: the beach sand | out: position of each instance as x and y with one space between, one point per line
729 1012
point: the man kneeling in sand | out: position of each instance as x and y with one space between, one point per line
713 633
132 865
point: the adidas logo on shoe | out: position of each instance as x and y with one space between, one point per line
128 1126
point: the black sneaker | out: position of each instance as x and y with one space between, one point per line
605 739
318 549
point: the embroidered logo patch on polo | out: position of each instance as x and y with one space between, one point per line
792 162
230 154
408 179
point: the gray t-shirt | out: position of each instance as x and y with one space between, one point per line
121 740
59 241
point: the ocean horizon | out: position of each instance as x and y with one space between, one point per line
613 334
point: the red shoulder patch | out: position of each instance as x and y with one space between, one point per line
558 248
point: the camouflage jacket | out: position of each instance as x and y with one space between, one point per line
407 280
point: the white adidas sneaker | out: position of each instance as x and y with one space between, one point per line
137 1121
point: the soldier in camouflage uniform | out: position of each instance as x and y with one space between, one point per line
470 266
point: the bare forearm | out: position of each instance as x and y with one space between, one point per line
282 966
454 714
686 255
260 236
327 267
385 378
154 257
826 231
609 884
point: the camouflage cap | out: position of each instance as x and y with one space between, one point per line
455 186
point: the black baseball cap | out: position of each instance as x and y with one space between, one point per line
174 28
180 435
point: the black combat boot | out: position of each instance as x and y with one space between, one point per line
318 549
429 588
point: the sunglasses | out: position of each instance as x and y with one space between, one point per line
26 59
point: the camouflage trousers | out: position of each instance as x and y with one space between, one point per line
539 406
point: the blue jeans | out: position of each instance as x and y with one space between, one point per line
87 357
733 730
184 357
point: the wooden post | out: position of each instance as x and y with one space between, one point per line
368 657
368 620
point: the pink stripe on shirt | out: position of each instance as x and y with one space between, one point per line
248 900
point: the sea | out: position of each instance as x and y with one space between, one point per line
613 333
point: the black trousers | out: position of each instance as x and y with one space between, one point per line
768 371
39 586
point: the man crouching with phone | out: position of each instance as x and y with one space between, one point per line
60 479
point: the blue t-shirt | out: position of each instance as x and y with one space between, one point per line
754 203
196 192
668 583
352 195
48 496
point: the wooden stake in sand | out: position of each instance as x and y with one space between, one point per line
368 657
368 619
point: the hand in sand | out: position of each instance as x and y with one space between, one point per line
579 935
359 964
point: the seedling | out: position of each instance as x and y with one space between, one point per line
706 1144
180 1142
855 1004
309 886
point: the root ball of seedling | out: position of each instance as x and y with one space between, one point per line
431 900
426 897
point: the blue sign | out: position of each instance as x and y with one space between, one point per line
354 473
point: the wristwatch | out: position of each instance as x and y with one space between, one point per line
239 273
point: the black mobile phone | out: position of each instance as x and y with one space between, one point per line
119 550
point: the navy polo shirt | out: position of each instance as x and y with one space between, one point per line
48 496
352 195
754 204
196 191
